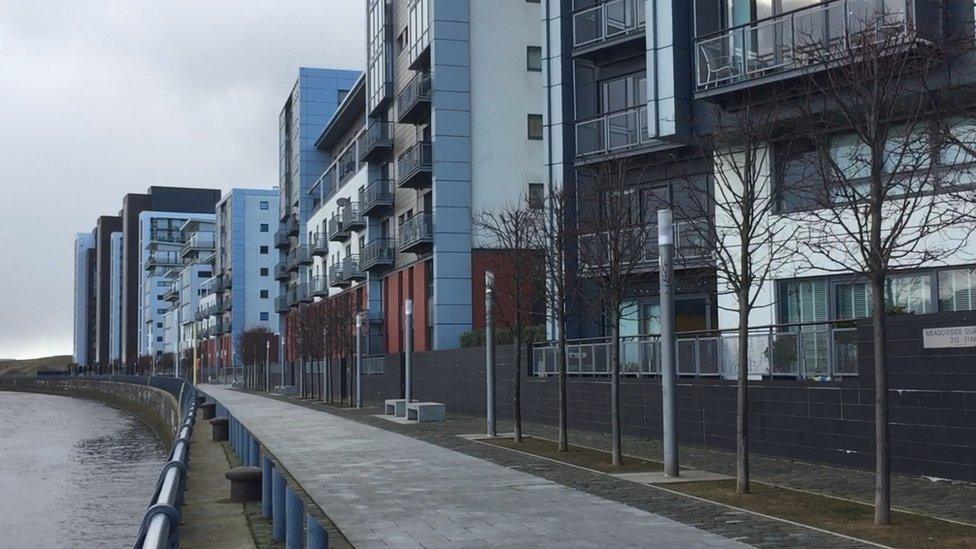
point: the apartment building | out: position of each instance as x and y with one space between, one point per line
105 226
635 81
247 221
115 304
454 110
82 336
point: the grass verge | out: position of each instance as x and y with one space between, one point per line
577 455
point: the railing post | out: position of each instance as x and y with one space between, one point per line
266 496
665 241
294 527
278 506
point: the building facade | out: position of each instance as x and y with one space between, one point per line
115 304
84 250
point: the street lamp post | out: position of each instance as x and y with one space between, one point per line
408 350
267 365
359 360
665 239
490 352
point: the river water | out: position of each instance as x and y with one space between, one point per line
73 472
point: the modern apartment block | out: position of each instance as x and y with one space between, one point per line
104 228
156 199
187 286
636 80
115 304
247 221
84 293
454 109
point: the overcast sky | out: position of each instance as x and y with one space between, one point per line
100 98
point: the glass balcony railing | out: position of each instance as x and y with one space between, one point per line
352 218
338 232
606 21
319 244
350 268
197 242
416 233
320 286
690 246
806 37
414 166
378 253
376 197
614 131
335 276
281 239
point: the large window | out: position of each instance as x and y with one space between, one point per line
957 290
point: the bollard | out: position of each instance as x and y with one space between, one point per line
278 506
318 537
219 427
266 471
294 511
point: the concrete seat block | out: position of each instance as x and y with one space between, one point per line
220 428
286 390
245 483
423 412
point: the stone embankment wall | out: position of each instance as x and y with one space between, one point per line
157 408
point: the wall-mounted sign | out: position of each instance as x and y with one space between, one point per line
946 338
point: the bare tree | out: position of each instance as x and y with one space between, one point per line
731 223
308 333
519 273
340 341
873 196
553 229
252 347
612 241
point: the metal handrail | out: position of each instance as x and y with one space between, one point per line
161 520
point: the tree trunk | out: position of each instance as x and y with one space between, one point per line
561 366
517 387
882 479
617 458
742 398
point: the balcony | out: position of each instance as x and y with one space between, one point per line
619 131
291 226
281 239
377 255
298 257
691 249
198 242
377 197
416 234
352 219
228 280
611 22
413 101
320 286
160 259
291 296
811 38
281 271
350 268
304 295
281 304
335 276
172 295
337 231
320 245
414 167
376 142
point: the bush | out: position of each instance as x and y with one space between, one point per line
503 336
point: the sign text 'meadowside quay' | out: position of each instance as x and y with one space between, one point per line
943 338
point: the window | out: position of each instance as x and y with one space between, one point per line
264 227
264 271
798 182
264 250
402 40
264 294
204 274
537 196
264 205
264 317
911 293
535 126
957 290
159 339
533 58
159 324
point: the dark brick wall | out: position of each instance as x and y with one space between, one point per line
932 399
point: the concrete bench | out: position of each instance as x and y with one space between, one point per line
395 407
286 390
423 412
245 483
220 428
208 410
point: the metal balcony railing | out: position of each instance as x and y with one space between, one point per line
228 279
337 231
416 233
319 244
304 294
608 21
281 239
352 218
376 197
377 254
320 286
691 247
291 226
281 304
163 259
413 101
376 141
616 131
281 271
196 243
414 166
350 268
335 276
810 36
299 256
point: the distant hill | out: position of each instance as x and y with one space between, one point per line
33 365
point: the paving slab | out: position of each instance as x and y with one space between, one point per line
385 489
687 475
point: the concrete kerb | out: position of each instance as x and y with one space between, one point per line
310 511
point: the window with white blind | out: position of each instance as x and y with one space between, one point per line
909 293
853 300
957 290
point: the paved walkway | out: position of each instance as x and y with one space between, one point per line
385 489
